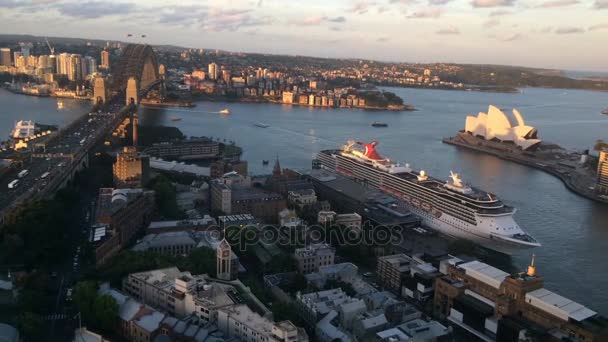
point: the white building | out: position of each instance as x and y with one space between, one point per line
351 221
180 293
289 218
324 308
506 128
302 198
346 272
326 216
241 322
313 256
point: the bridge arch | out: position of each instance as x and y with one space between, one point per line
137 62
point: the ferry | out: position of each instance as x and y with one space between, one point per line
451 207
23 129
261 125
379 124
224 111
26 129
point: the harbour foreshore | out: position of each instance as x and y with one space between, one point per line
575 179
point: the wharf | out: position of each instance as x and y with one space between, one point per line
154 103
577 178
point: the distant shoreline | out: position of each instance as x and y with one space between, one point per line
215 98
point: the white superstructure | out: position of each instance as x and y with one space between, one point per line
452 208
507 128
24 129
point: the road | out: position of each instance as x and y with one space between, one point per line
64 317
46 170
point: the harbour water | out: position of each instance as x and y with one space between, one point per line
573 230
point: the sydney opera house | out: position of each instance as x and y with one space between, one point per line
498 126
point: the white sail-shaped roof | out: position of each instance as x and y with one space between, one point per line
498 125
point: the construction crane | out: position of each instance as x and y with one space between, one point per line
49 45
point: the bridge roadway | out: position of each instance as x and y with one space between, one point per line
66 153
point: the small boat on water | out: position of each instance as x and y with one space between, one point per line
224 111
379 124
261 125
175 119
605 111
265 162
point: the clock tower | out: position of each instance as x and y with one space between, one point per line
224 261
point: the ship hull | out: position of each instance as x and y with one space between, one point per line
465 231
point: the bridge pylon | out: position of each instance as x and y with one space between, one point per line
100 91
132 97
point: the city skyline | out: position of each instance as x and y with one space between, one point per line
509 32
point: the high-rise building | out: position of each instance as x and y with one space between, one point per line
105 59
89 66
602 171
16 56
226 76
20 62
74 67
43 62
52 63
25 51
5 56
62 63
131 169
31 60
213 71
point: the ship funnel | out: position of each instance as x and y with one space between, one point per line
532 269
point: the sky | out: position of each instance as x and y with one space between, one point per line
561 34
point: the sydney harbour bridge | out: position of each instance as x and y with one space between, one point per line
135 74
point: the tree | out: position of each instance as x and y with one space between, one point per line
203 260
166 198
106 312
31 326
85 294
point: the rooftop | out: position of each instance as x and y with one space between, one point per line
484 273
237 218
172 166
400 261
164 239
254 195
245 315
150 322
332 332
207 220
325 301
320 249
559 306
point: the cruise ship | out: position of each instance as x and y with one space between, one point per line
452 208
